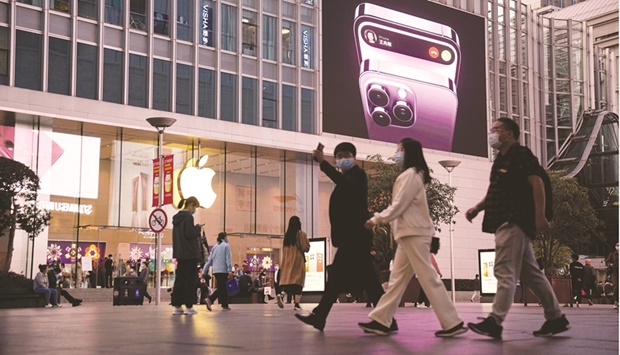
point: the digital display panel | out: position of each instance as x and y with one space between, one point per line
488 282
315 266
395 69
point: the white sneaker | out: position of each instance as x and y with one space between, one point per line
190 312
49 305
56 306
615 305
177 311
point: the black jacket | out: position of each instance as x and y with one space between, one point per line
348 208
576 271
185 241
245 285
52 279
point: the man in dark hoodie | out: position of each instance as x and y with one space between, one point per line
352 268
186 250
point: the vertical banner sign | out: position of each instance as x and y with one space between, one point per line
168 180
206 26
156 187
306 44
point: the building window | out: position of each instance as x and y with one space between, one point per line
206 23
228 99
184 19
206 93
86 78
88 9
137 14
28 67
61 5
161 17
307 111
307 47
114 12
229 28
185 89
249 104
59 73
270 104
289 108
249 34
4 56
38 3
270 37
112 76
288 42
138 77
161 85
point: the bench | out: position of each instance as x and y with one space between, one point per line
22 297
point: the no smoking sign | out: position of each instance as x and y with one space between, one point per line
158 220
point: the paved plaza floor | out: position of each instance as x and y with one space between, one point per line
98 328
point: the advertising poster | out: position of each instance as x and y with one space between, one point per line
68 252
315 266
488 283
156 187
168 180
405 68
7 137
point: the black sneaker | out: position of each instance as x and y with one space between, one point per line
488 327
77 302
393 327
312 319
552 327
375 327
456 330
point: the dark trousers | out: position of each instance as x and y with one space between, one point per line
66 295
349 265
577 287
422 298
221 294
589 288
108 279
184 291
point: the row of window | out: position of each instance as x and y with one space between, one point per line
29 69
295 47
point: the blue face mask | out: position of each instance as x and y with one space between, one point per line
345 164
399 158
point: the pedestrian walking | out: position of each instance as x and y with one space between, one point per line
589 280
293 272
476 293
221 260
518 205
413 231
145 275
576 277
352 268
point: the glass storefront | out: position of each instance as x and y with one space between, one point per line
98 183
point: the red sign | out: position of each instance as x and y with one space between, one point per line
168 178
158 220
168 181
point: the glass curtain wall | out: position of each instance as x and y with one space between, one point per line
98 183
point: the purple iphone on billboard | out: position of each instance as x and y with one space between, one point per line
409 69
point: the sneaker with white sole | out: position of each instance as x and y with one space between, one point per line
552 327
49 305
56 305
488 327
456 330
177 311
190 312
375 327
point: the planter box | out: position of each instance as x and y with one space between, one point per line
20 298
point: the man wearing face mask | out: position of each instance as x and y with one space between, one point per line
352 268
517 206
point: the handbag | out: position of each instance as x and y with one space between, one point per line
232 287
434 245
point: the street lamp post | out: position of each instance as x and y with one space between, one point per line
160 123
449 165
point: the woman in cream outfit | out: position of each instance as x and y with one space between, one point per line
413 230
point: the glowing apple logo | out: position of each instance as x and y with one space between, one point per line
195 181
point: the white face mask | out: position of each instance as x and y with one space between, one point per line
616 247
493 139
399 158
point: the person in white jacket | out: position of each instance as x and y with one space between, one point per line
413 230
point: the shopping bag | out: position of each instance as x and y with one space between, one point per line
267 290
232 287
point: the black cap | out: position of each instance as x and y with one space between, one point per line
345 147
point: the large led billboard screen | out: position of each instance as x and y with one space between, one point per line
315 266
405 68
486 262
